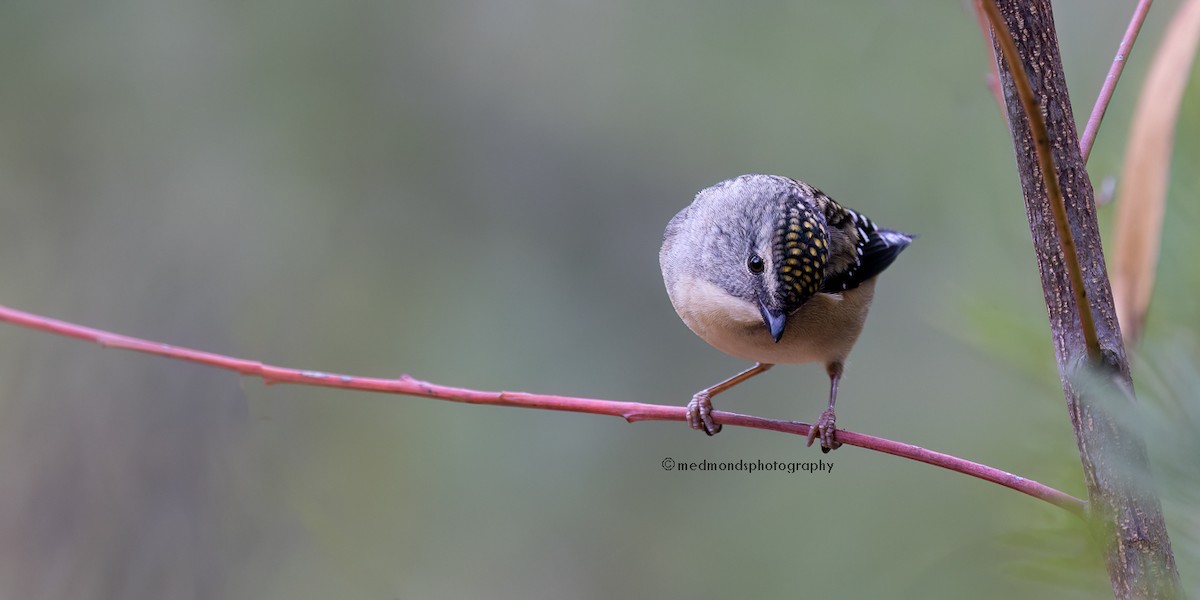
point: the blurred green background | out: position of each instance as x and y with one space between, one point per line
474 192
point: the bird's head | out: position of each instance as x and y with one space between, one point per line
765 244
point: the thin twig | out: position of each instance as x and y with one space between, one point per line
630 411
1037 127
993 76
1110 81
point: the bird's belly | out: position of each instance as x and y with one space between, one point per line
823 330
755 344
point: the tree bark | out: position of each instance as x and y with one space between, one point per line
1122 499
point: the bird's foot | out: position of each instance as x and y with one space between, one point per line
699 414
825 427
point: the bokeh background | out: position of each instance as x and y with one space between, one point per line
473 192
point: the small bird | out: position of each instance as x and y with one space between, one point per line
771 270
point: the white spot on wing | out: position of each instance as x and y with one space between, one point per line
892 238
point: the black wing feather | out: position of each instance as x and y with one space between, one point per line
877 249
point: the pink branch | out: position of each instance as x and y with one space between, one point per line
1110 81
630 411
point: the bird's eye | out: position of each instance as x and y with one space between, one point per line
756 264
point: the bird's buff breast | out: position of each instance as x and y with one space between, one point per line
823 330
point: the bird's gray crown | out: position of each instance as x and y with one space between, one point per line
775 219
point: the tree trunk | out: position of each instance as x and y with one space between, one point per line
1121 497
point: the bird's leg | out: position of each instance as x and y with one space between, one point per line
827 424
700 408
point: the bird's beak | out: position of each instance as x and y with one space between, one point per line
775 320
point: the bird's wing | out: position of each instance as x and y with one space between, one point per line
876 248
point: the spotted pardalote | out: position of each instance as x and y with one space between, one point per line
771 270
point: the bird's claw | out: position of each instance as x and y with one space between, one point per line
825 428
699 415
